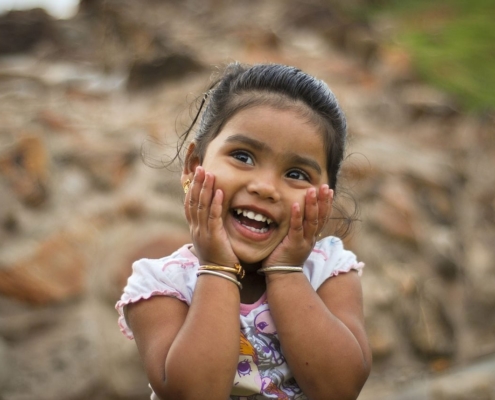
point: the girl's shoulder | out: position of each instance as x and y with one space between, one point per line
329 258
173 276
180 262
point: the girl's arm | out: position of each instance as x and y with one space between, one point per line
190 352
322 333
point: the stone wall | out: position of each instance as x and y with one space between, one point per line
88 98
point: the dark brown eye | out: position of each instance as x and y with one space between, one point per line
243 157
298 175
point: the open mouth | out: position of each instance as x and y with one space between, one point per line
253 221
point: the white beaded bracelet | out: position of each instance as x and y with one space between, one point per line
207 272
282 268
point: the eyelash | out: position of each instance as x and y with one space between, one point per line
302 173
240 153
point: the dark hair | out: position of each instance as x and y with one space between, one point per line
242 86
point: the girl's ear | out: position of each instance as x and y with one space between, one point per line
190 163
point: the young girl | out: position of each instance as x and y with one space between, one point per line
259 306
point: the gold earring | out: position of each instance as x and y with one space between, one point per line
186 185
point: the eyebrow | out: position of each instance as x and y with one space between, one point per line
239 138
300 160
294 158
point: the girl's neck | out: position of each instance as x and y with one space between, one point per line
253 287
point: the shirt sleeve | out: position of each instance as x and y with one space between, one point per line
153 278
329 258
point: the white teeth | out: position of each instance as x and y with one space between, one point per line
259 217
253 215
262 230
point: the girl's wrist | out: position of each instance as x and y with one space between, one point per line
224 275
235 269
280 269
271 278
280 272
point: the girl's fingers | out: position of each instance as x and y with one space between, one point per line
194 192
325 196
215 215
311 213
296 224
204 202
186 207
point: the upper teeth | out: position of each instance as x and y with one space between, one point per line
253 215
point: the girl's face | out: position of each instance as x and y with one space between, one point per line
264 160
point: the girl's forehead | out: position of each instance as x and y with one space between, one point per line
274 123
276 132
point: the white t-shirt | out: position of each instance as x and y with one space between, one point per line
262 372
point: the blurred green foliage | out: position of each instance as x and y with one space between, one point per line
452 45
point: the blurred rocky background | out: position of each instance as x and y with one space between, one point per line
84 99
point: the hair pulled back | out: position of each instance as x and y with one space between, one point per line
280 86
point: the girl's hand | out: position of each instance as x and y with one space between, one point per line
302 235
203 207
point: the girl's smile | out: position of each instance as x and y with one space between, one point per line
264 160
253 221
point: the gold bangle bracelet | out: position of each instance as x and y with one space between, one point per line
236 269
281 268
207 272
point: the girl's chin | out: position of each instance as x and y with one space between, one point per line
250 257
252 252
250 262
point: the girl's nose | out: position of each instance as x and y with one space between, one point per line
264 187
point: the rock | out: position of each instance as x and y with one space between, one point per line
9 221
55 271
382 336
5 364
438 202
480 276
442 247
475 386
146 74
379 300
422 99
391 222
332 23
399 196
403 158
426 323
59 362
107 164
144 240
25 167
122 374
21 31
357 39
20 320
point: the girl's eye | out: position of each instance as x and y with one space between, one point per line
243 157
298 174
